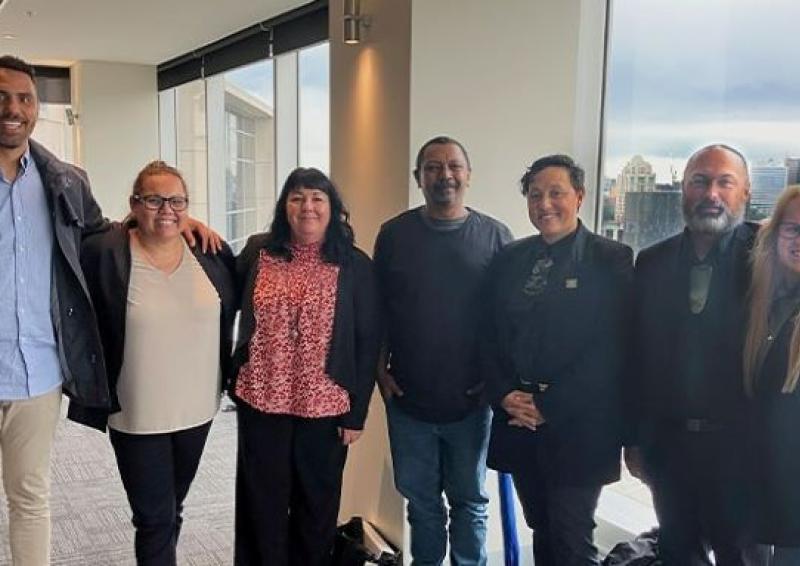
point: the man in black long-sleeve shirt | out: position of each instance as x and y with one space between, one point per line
430 263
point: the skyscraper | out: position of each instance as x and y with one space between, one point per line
766 183
651 216
792 170
636 176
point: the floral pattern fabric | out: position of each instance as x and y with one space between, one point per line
294 303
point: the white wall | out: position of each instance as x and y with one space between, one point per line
116 130
500 77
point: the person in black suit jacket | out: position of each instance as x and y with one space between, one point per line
772 369
687 403
554 359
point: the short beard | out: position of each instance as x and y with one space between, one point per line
439 194
10 145
713 224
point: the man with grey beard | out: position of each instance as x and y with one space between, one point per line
686 380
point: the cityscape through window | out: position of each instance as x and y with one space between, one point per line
683 74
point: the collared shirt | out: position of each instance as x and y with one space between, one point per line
551 261
29 364
563 249
538 301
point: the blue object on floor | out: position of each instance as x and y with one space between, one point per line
509 519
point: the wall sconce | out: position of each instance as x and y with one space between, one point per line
353 21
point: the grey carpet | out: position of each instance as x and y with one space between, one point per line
91 517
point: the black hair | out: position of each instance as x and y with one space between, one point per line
17 64
577 176
438 140
339 237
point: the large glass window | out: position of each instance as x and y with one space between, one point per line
682 74
249 156
221 132
314 107
192 144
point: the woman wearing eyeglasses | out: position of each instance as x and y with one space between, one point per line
165 314
307 354
772 369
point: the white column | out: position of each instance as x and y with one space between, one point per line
167 128
116 132
217 153
286 139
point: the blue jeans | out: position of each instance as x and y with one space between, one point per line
785 556
433 458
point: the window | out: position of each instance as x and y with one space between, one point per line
314 107
249 124
682 74
222 131
192 144
54 130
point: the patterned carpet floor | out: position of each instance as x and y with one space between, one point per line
91 517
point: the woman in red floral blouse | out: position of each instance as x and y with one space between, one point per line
306 356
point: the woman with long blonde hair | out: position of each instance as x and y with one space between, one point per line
772 368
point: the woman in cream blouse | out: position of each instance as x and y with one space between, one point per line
165 314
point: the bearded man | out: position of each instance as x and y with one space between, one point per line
686 385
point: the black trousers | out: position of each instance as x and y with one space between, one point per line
562 519
702 497
156 471
288 486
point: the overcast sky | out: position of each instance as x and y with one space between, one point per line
683 73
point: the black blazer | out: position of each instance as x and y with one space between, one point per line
353 354
775 434
655 398
106 261
582 331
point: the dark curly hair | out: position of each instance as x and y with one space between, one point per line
339 237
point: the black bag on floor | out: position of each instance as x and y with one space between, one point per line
641 551
350 548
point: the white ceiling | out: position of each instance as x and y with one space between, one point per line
131 31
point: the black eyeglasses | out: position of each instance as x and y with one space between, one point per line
155 202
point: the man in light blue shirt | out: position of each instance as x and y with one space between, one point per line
29 365
49 340
30 368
